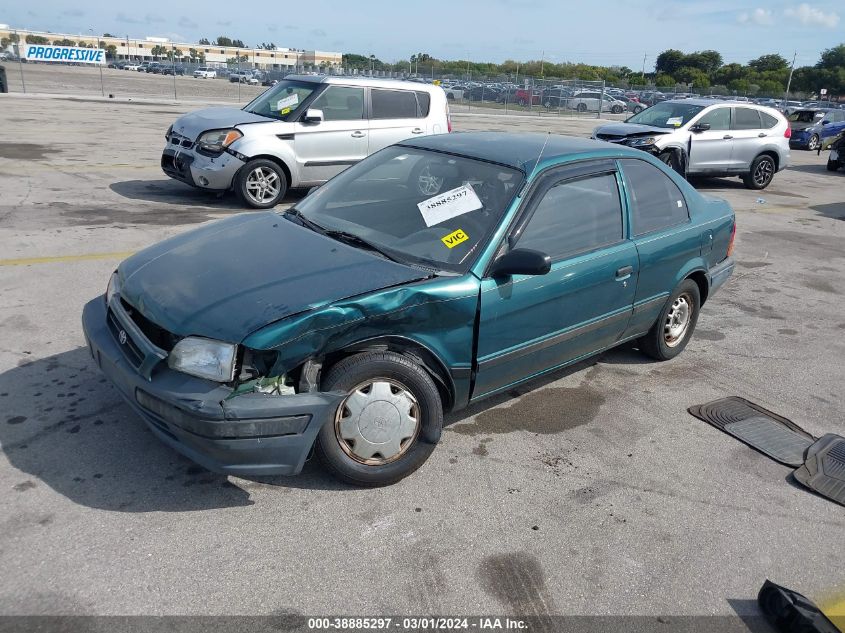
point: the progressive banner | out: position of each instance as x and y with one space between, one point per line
69 54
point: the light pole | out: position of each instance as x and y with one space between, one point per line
102 87
789 81
173 53
20 59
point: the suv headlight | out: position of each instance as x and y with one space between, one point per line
215 141
204 358
641 142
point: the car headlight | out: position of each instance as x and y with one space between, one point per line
215 141
111 289
641 142
204 358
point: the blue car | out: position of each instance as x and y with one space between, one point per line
433 274
813 129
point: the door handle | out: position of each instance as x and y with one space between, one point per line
727 136
624 272
416 130
357 134
761 135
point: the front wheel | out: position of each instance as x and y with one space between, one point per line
638 109
582 107
616 109
761 173
813 143
387 425
261 183
833 165
674 327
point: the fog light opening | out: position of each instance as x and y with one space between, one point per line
203 181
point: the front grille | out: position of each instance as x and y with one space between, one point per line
180 141
157 335
130 348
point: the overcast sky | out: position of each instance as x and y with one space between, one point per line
605 32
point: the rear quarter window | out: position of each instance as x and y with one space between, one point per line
768 120
657 203
424 103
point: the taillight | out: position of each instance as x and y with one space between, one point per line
448 118
787 133
731 241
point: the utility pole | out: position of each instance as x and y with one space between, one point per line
542 65
789 81
642 76
102 87
20 59
173 52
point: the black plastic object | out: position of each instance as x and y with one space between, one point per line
4 85
824 468
790 612
767 432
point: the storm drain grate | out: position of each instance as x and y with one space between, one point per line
759 428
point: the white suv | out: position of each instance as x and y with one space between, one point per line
299 133
204 72
705 137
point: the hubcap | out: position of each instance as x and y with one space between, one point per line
764 172
678 320
262 185
427 184
814 142
377 422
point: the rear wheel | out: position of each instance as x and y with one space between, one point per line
761 173
674 327
833 165
582 107
813 143
616 109
387 425
261 183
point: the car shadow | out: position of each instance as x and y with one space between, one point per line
66 427
811 169
167 191
727 182
751 616
834 210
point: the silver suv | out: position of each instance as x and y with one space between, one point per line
299 133
709 138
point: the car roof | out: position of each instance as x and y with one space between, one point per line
364 81
516 150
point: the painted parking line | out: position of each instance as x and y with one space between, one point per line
26 261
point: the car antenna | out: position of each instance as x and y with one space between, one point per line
540 155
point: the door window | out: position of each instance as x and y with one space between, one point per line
575 216
341 103
747 119
657 201
393 104
719 119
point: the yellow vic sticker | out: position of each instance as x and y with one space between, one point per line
454 238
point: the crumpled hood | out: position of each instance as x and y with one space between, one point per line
629 129
195 123
229 278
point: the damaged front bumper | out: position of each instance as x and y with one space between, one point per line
215 173
250 434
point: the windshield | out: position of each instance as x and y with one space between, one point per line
418 206
805 116
282 100
666 114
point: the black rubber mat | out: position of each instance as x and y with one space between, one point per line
771 434
790 612
824 468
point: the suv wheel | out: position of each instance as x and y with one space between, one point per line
261 183
813 143
387 425
761 173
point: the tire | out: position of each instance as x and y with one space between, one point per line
663 343
833 165
638 109
582 107
415 388
258 193
761 173
522 102
616 109
813 143
547 105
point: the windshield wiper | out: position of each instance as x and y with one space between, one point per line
357 240
294 212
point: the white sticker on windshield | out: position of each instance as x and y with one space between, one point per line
287 102
675 120
449 204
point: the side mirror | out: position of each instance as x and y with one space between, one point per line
825 122
313 115
521 261
700 127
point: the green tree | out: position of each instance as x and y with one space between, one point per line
158 50
832 57
767 63
36 39
63 42
712 61
695 76
664 81
204 42
669 61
